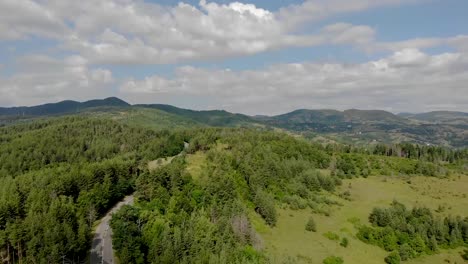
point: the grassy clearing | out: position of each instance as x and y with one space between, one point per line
196 164
290 242
153 165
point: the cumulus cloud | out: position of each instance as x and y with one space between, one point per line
20 19
408 80
153 34
294 16
139 32
96 32
46 79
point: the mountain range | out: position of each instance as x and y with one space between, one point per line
349 126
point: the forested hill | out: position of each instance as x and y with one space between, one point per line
304 116
60 108
448 117
209 117
448 129
218 202
57 176
366 126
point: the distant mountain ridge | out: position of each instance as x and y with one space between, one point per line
438 117
63 107
207 117
334 116
353 125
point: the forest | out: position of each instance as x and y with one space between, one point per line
59 175
410 233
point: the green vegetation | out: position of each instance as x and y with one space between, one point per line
356 127
217 118
331 236
344 242
311 225
288 239
465 254
412 233
393 258
236 195
333 260
71 171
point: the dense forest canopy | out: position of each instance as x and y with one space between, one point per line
59 175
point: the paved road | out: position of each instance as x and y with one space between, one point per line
101 252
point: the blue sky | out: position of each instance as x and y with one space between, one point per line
255 57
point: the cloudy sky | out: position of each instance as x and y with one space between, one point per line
255 57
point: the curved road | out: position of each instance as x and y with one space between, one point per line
101 252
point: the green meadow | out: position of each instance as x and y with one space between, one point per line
289 242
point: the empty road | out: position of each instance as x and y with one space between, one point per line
101 251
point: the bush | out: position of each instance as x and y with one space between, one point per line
406 252
331 236
344 242
464 255
311 226
265 206
393 258
333 260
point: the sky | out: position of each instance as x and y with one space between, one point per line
252 57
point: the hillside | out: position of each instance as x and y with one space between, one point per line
60 108
350 126
367 126
440 117
143 117
234 195
208 117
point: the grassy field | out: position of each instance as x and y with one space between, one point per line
289 242
195 164
153 165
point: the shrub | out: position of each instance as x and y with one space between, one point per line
333 260
344 242
393 258
406 252
265 206
464 255
331 236
311 226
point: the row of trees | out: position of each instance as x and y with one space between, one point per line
355 165
410 233
405 150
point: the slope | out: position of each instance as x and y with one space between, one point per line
61 108
208 117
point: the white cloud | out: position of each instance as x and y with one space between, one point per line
344 33
408 80
20 19
45 79
313 10
138 32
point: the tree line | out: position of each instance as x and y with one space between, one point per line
410 233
